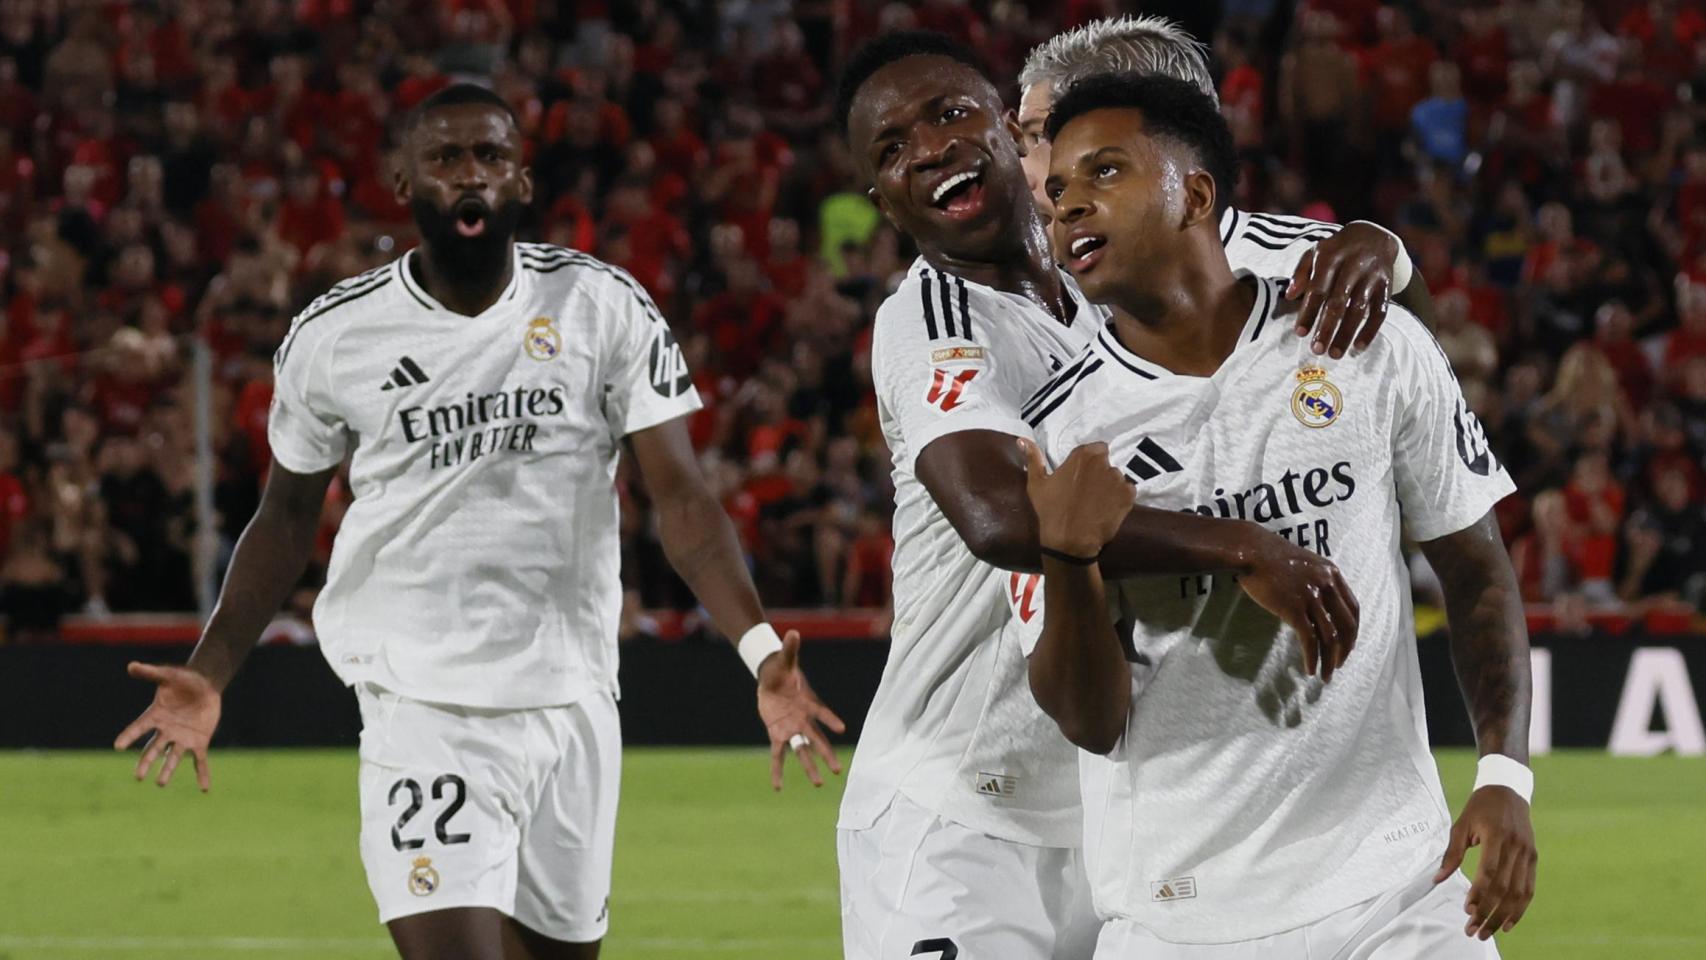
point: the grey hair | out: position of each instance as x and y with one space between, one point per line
1140 44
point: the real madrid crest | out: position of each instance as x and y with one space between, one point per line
423 879
1315 402
542 341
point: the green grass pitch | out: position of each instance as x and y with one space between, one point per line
710 865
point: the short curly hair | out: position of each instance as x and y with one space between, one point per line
1171 108
456 95
890 48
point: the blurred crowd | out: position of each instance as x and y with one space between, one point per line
175 172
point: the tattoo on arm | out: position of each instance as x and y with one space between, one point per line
1489 635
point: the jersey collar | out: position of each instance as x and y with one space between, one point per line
1231 222
1268 300
1083 311
426 300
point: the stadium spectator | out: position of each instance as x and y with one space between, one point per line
195 172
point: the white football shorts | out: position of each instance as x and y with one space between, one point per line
509 809
1418 921
914 885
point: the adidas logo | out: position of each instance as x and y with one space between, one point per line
997 785
1151 461
406 373
1180 888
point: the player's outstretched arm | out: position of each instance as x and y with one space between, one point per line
977 477
1489 649
269 559
1078 672
701 545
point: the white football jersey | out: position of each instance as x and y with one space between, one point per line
1245 797
478 563
1270 244
953 725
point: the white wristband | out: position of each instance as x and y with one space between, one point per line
1498 770
757 644
1402 268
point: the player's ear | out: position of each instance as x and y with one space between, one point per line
526 178
400 180
1011 119
882 207
1200 197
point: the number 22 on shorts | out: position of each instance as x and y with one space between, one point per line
449 784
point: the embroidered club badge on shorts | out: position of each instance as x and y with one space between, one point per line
542 341
423 879
1315 402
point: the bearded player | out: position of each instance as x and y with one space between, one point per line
1313 253
483 389
960 829
1247 793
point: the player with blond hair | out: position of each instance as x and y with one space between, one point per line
1322 258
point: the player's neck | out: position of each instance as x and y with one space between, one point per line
1026 269
469 288
1187 317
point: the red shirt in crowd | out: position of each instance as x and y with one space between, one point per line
1241 95
1398 72
14 507
1596 553
1638 104
250 418
1634 374
1682 346
869 559
1687 27
1485 61
741 328
305 225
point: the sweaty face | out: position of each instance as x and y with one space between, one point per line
463 180
928 132
1120 198
1033 114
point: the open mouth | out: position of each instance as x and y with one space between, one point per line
1084 251
959 196
471 217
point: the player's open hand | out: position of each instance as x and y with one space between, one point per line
790 709
1307 592
1080 506
1344 283
183 716
1496 820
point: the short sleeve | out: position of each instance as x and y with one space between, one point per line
1268 245
938 365
648 381
1446 475
305 428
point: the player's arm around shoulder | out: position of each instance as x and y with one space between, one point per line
1344 277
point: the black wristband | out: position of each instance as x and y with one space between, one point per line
1067 557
